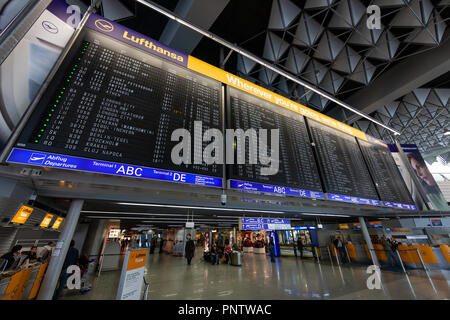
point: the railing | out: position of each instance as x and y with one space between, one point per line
400 258
146 289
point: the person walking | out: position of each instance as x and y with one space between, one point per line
272 250
161 245
189 250
71 259
300 246
388 250
339 244
227 253
214 254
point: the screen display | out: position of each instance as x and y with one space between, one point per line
297 167
384 171
341 163
112 102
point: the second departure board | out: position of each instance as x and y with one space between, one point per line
384 171
110 101
297 167
341 163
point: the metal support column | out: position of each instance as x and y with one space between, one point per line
368 241
59 254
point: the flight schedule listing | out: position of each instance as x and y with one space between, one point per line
297 167
384 171
115 103
341 163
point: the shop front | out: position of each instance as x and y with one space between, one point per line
289 238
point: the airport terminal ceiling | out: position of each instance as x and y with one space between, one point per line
324 42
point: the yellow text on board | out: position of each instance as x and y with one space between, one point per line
22 215
57 223
46 221
255 90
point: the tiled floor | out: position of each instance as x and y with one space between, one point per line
171 278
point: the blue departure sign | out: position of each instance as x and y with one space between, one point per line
342 198
51 160
265 224
267 188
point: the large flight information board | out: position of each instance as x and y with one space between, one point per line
342 164
384 171
112 102
297 167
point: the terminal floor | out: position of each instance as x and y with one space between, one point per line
171 278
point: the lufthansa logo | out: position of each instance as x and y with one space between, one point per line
49 26
104 25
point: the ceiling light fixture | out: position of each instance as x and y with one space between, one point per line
194 207
167 13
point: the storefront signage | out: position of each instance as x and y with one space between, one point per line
22 215
51 160
372 202
132 277
436 222
375 224
114 233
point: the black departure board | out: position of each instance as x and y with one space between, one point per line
113 102
385 173
297 167
341 163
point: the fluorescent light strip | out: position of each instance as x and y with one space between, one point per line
260 61
142 213
193 207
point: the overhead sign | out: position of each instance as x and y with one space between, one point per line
358 200
343 226
112 168
132 276
190 224
46 221
136 39
57 223
114 233
304 228
264 224
376 224
267 188
22 215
